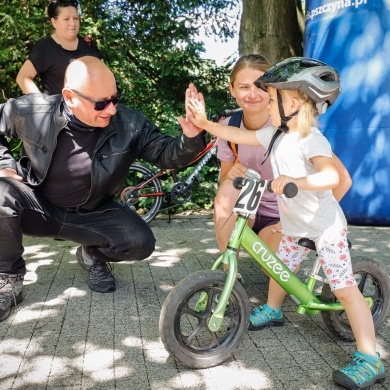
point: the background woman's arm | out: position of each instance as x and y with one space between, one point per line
25 78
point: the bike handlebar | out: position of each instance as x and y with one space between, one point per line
238 183
230 112
225 114
290 190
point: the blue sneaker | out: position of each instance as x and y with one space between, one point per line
363 372
263 316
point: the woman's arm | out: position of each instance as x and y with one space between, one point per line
25 78
225 168
345 181
230 170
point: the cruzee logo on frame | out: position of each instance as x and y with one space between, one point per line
271 261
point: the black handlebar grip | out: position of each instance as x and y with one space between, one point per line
228 112
238 183
290 189
225 114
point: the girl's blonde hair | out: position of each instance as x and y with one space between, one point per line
307 114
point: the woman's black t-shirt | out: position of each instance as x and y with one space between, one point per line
51 60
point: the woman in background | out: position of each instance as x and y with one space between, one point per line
50 56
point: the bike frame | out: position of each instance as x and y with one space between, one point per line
300 292
203 158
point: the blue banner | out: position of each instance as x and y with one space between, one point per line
354 38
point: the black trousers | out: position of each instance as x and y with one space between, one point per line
118 234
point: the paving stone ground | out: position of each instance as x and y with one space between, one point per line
63 336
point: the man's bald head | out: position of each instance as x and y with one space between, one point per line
85 72
87 82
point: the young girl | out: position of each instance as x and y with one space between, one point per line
300 89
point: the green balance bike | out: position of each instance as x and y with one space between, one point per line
205 317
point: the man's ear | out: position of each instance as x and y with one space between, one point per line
68 97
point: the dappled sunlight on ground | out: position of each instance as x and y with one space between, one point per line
63 336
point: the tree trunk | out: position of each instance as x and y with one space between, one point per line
270 27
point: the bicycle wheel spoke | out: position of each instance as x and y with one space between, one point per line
193 313
215 340
363 281
143 193
195 333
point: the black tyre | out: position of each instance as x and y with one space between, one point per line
145 201
373 282
184 330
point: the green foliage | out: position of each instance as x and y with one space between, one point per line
204 192
150 45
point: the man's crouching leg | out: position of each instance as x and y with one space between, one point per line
14 198
126 237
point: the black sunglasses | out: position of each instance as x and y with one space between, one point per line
101 105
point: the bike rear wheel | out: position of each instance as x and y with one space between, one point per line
184 328
373 282
145 201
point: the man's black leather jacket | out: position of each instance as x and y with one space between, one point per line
37 120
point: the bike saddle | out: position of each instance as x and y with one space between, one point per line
307 243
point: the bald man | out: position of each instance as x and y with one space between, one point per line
77 149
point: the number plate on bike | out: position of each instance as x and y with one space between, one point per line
250 196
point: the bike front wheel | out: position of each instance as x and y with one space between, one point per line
373 282
144 199
184 327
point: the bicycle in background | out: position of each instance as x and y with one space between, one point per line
148 194
205 317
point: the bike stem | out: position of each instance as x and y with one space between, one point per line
229 257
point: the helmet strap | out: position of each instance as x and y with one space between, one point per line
271 144
283 128
284 119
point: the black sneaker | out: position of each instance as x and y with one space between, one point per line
100 278
10 293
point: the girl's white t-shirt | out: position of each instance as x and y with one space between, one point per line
309 213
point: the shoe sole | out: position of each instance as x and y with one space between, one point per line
344 380
254 328
100 290
79 258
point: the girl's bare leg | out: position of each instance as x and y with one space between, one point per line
360 318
